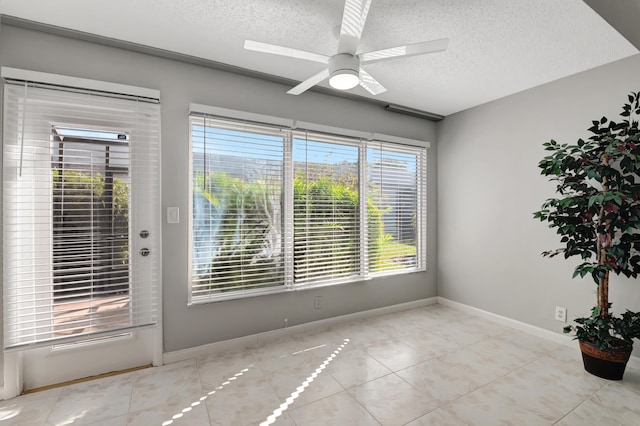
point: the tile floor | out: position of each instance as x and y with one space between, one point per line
426 366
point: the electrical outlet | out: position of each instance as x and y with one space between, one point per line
561 314
317 302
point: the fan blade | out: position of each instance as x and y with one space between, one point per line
311 81
370 84
406 50
285 51
353 19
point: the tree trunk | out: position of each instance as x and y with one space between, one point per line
603 282
603 294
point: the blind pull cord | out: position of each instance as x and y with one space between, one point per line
24 119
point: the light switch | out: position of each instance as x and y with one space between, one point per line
173 215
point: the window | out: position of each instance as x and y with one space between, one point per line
80 172
90 206
395 207
326 208
237 198
275 208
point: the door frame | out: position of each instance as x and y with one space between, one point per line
24 367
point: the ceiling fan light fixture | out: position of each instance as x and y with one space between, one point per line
343 71
344 79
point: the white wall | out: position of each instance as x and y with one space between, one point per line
489 185
180 84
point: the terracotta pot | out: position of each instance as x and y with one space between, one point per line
609 364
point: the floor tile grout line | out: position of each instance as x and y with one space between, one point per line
418 390
46 418
346 391
365 382
508 373
364 408
204 395
635 388
206 408
322 367
130 401
479 388
582 402
487 384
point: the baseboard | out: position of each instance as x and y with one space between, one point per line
255 340
562 339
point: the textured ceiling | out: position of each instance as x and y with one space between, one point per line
497 47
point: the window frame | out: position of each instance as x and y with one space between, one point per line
341 142
295 127
247 292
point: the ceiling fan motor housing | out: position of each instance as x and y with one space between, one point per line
344 71
344 63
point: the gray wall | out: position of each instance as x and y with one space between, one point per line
489 184
623 15
180 84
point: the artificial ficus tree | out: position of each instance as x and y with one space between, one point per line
597 210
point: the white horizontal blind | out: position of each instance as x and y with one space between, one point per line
396 207
326 208
422 203
276 208
77 169
237 215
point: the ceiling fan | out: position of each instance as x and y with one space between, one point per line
344 69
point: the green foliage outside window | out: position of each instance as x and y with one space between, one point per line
90 216
325 219
86 193
244 213
246 256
